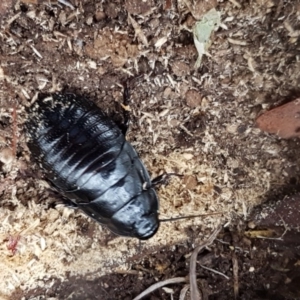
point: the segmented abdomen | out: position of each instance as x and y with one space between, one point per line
84 153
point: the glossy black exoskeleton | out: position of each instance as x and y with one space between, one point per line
87 158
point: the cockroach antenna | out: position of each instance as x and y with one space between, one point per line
190 217
163 179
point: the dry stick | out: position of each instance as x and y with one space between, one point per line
195 293
159 285
214 271
66 3
286 228
193 282
235 271
15 130
183 292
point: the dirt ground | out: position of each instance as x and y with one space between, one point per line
196 122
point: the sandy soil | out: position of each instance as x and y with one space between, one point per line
199 123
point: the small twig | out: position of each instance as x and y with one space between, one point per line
128 272
235 271
15 131
186 130
235 247
159 285
286 228
66 3
214 271
36 52
237 42
272 239
138 31
183 292
15 17
195 294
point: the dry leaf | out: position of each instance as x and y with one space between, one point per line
283 120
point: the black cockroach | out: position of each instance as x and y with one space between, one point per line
88 160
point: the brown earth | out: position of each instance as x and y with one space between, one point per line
199 123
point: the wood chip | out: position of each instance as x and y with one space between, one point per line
283 120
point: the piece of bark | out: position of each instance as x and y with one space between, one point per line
283 120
